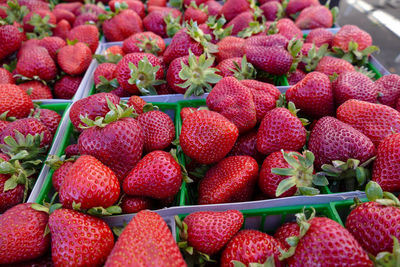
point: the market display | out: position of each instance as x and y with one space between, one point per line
194 133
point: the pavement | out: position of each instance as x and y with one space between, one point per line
381 19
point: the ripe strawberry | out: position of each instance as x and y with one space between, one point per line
155 21
49 118
373 223
351 33
237 67
115 50
9 197
60 173
34 5
240 22
135 204
88 34
122 25
6 77
196 13
280 129
84 19
188 2
139 73
284 231
251 246
186 111
209 231
92 106
295 6
61 14
296 76
354 85
231 180
376 121
71 7
214 7
52 44
147 42
23 234
137 103
246 146
315 17
62 29
161 3
207 136
313 95
89 239
10 40
388 89
272 10
72 150
89 183
232 8
320 36
36 90
157 175
287 28
66 87
107 70
230 47
74 59
36 61
331 65
42 13
262 86
147 231
136 6
90 8
15 101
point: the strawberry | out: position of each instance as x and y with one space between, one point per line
232 8
186 111
136 6
15 101
376 121
251 246
280 129
209 231
161 3
89 184
88 34
6 77
72 150
240 22
89 239
373 223
84 19
115 50
314 91
23 234
231 180
52 44
272 10
354 85
315 17
196 13
107 70
74 59
36 61
237 67
61 14
287 28
71 7
388 89
60 173
246 146
62 29
320 36
135 204
9 196
157 175
146 241
66 87
30 22
315 244
90 8
214 7
92 106
34 5
36 90
49 118
284 231
207 136
147 42
155 21
295 6
10 40
296 76
230 47
116 139
122 25
331 65
137 103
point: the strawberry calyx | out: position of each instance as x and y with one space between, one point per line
200 7
148 45
185 174
15 12
119 7
106 86
292 108
55 162
294 48
217 26
272 29
116 113
245 71
149 107
144 76
255 27
199 36
387 259
3 117
42 27
375 193
354 55
198 75
108 58
269 262
315 54
176 3
364 70
301 174
173 24
98 211
350 174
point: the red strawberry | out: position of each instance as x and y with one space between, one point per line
135 204
136 6
320 36
34 5
107 70
123 25
72 150
90 8
230 47
66 87
36 61
84 19
6 77
157 175
354 85
280 129
332 139
53 45
36 90
143 78
295 6
315 17
71 7
246 146
15 101
374 120
74 59
232 8
155 20
23 234
137 103
115 50
49 118
232 67
146 232
186 111
42 13
61 14
160 3
241 22
89 183
231 180
351 33
251 246
196 13
92 106
209 231
313 95
287 28
9 196
388 89
214 7
88 34
147 42
60 174
330 65
235 102
207 136
10 40
188 2
284 231
62 29
296 76
89 239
